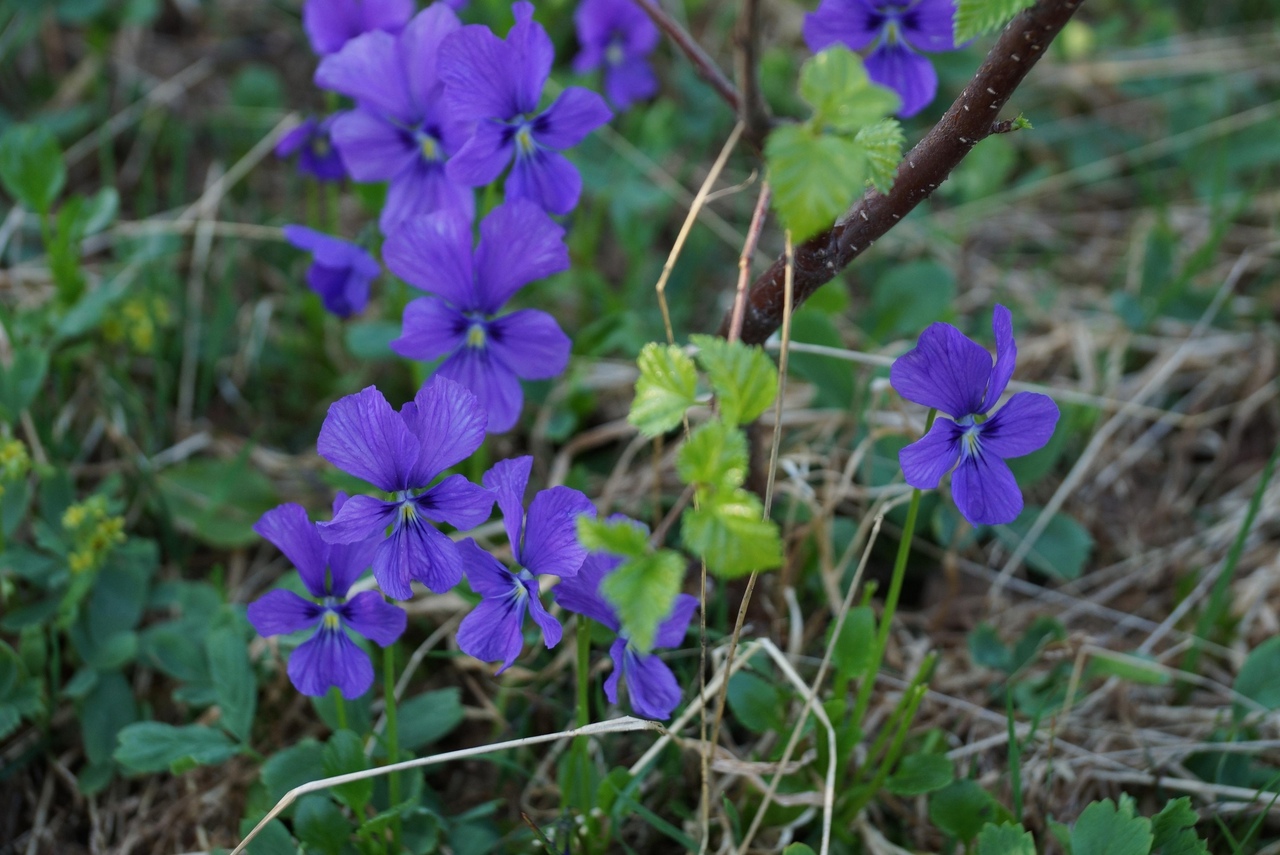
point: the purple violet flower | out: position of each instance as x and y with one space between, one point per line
899 29
340 271
316 155
488 355
403 453
620 36
651 686
953 374
543 543
329 657
330 24
400 131
498 84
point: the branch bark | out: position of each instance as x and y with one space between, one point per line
753 112
968 121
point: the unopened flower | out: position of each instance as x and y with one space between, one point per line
953 374
402 453
487 353
545 542
329 657
400 131
898 30
619 36
651 686
498 84
330 24
340 271
316 155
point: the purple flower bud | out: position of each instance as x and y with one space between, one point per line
340 271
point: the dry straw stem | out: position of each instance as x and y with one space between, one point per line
624 724
968 121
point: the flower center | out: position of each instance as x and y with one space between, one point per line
331 620
476 336
320 146
428 145
524 139
407 513
614 53
969 445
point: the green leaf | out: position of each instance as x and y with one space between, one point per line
909 297
31 166
320 825
1259 678
371 340
715 455
1006 839
757 703
623 538
643 591
728 533
274 839
963 808
1174 830
217 500
852 653
975 17
836 85
667 386
882 143
107 709
918 774
234 683
986 649
429 717
152 746
1134 667
742 376
21 381
1062 548
798 849
344 754
99 211
815 178
294 766
1105 830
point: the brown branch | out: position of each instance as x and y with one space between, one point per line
965 124
753 112
702 62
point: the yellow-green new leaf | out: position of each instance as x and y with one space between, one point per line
728 533
815 177
882 146
742 376
666 388
975 17
836 85
622 537
643 591
715 456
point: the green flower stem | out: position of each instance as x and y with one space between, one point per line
890 600
584 662
392 736
340 707
913 697
313 203
904 703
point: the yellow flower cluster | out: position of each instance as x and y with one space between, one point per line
94 532
136 322
14 462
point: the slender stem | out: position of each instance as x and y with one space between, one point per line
340 707
966 123
752 109
702 62
584 663
890 601
744 260
392 736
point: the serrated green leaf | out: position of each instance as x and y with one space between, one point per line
918 774
106 710
975 17
152 746
815 178
1174 830
882 143
742 376
798 849
666 388
615 537
294 766
836 85
31 166
1102 829
343 754
643 590
1007 839
715 455
727 532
